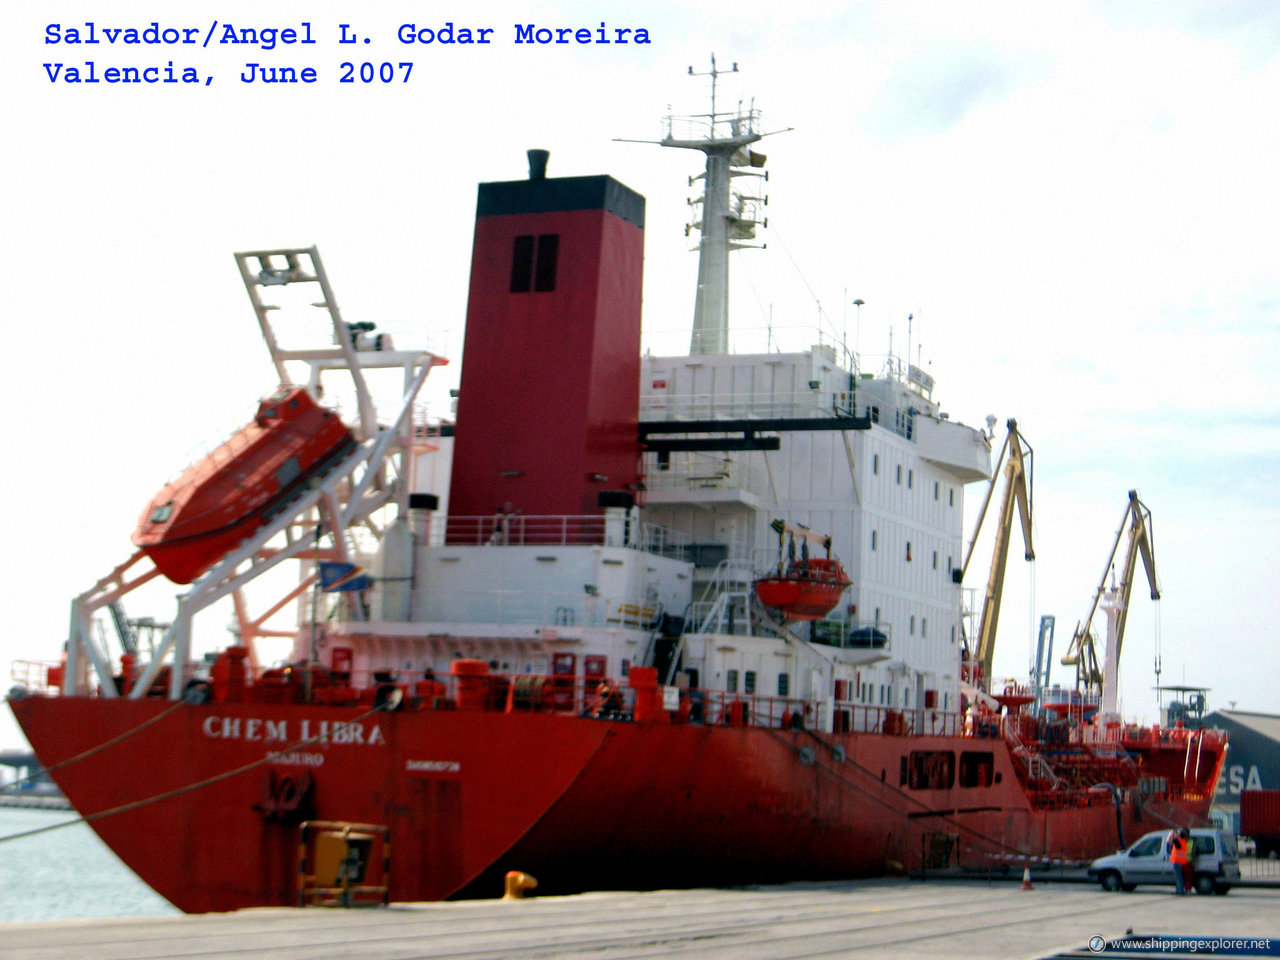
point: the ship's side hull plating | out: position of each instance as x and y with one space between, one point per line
578 802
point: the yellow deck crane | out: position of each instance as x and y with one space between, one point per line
1017 493
1082 653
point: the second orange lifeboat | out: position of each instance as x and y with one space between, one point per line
804 587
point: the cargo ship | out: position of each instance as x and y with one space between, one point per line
529 637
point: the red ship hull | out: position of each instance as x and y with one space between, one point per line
580 803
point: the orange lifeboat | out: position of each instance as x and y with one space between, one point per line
198 519
804 588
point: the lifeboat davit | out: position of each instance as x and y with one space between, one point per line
804 588
207 512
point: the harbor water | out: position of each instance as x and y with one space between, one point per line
65 873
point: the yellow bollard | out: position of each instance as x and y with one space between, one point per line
517 883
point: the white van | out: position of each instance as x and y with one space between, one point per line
1216 868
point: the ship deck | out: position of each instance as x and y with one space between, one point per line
878 918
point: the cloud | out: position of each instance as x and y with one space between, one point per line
928 95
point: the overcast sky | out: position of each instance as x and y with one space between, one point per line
1077 201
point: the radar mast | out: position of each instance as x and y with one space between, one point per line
727 218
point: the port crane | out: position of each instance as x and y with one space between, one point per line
1016 456
1114 600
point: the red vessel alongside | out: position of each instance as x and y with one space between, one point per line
547 649
196 520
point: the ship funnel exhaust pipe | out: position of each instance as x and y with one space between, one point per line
538 164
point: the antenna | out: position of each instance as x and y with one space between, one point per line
857 326
713 73
910 317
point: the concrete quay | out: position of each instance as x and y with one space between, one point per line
903 919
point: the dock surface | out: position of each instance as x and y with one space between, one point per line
903 919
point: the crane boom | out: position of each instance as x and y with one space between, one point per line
1017 496
1082 651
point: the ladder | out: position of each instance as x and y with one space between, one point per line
124 629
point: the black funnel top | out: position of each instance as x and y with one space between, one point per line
538 164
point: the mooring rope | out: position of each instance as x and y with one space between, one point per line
102 746
209 781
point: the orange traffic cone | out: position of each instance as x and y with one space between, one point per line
1026 877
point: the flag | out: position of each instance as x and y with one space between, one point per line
337 576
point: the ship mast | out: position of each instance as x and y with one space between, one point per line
728 218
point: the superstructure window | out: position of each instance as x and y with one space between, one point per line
544 278
533 262
749 682
931 769
522 264
899 473
731 681
873 539
784 684
976 768
875 464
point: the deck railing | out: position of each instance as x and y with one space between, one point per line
601 697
